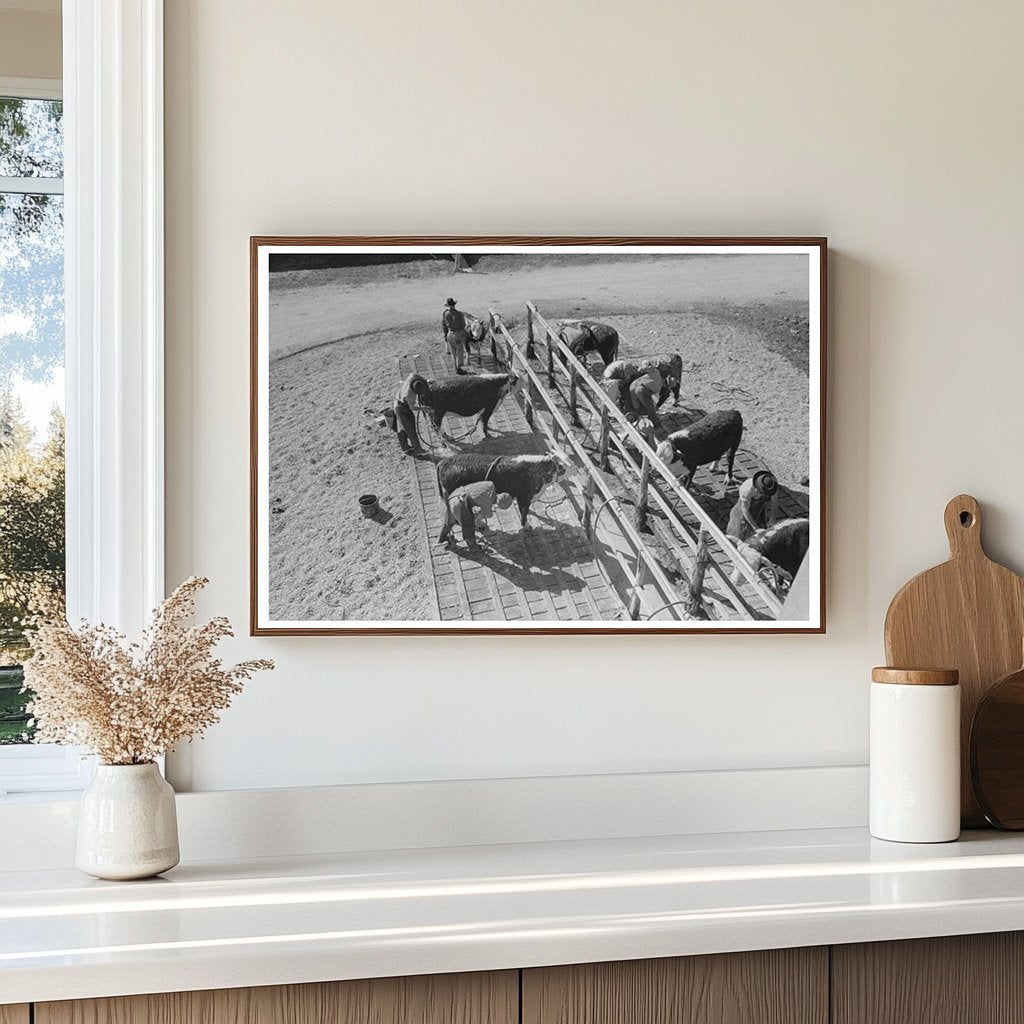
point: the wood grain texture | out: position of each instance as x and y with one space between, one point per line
482 998
997 752
967 614
915 676
962 979
14 1014
778 986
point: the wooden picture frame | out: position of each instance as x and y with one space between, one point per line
614 541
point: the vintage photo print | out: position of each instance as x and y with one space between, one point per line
537 435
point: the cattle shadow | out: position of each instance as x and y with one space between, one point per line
533 559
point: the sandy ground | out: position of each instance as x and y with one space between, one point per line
740 324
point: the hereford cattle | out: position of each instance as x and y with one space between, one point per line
707 440
583 336
474 395
522 476
781 548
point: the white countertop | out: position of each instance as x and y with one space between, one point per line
297 919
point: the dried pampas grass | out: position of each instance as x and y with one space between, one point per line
129 703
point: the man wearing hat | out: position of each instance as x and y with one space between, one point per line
453 324
757 506
401 417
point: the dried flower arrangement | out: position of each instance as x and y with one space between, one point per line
130 703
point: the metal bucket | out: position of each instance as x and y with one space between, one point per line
368 504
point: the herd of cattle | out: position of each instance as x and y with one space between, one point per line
778 548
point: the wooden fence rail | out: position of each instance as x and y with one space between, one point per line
583 387
645 569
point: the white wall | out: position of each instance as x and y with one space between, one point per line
895 129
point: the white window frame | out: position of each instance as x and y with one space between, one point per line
114 323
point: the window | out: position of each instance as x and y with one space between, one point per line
32 518
111 205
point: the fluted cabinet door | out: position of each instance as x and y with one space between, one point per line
778 986
484 998
961 979
14 1014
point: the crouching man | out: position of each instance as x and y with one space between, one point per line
471 506
401 417
756 508
645 393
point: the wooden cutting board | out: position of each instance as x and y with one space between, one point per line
967 614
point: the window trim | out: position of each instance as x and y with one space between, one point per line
32 88
114 321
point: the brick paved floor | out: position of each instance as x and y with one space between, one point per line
544 572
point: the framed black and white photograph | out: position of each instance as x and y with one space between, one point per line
537 435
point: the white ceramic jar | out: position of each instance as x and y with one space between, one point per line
127 823
915 755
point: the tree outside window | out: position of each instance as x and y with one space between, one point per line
32 549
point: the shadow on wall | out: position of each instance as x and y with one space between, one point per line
854 286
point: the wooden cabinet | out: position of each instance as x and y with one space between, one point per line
491 998
970 979
779 986
962 979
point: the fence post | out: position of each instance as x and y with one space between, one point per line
588 503
641 502
493 333
606 423
640 579
572 397
527 406
551 360
700 565
530 353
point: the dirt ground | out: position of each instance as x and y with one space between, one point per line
740 324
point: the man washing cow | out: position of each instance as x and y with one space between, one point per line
470 506
401 417
757 506
638 389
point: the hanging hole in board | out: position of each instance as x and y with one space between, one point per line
966 519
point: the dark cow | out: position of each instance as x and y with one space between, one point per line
704 441
464 396
780 549
583 336
522 476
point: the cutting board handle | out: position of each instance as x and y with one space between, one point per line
963 527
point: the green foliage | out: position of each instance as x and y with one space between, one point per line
14 726
32 550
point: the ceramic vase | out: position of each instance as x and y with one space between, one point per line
127 825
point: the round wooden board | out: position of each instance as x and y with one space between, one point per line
997 752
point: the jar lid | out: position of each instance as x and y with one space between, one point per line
916 676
